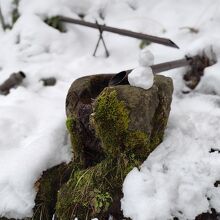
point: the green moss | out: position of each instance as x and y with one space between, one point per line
91 192
14 15
137 142
101 201
111 120
72 124
144 43
136 138
69 123
47 188
55 23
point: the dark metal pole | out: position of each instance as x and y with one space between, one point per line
163 41
158 68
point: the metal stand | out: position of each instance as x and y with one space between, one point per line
100 39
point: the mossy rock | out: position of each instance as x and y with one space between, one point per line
95 191
104 121
119 126
123 116
86 146
129 120
47 187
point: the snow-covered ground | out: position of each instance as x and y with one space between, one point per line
178 177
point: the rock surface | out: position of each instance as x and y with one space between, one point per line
47 188
86 146
127 117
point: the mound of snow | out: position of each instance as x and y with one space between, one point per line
143 76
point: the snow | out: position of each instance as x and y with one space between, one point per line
178 178
142 76
146 58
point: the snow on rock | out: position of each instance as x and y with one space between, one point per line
143 76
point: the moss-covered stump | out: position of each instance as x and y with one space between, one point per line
123 115
86 146
95 191
47 187
129 120
112 129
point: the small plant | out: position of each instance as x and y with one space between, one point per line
14 16
55 23
144 43
15 12
101 201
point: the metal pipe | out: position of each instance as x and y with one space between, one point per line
13 81
159 40
122 77
158 68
